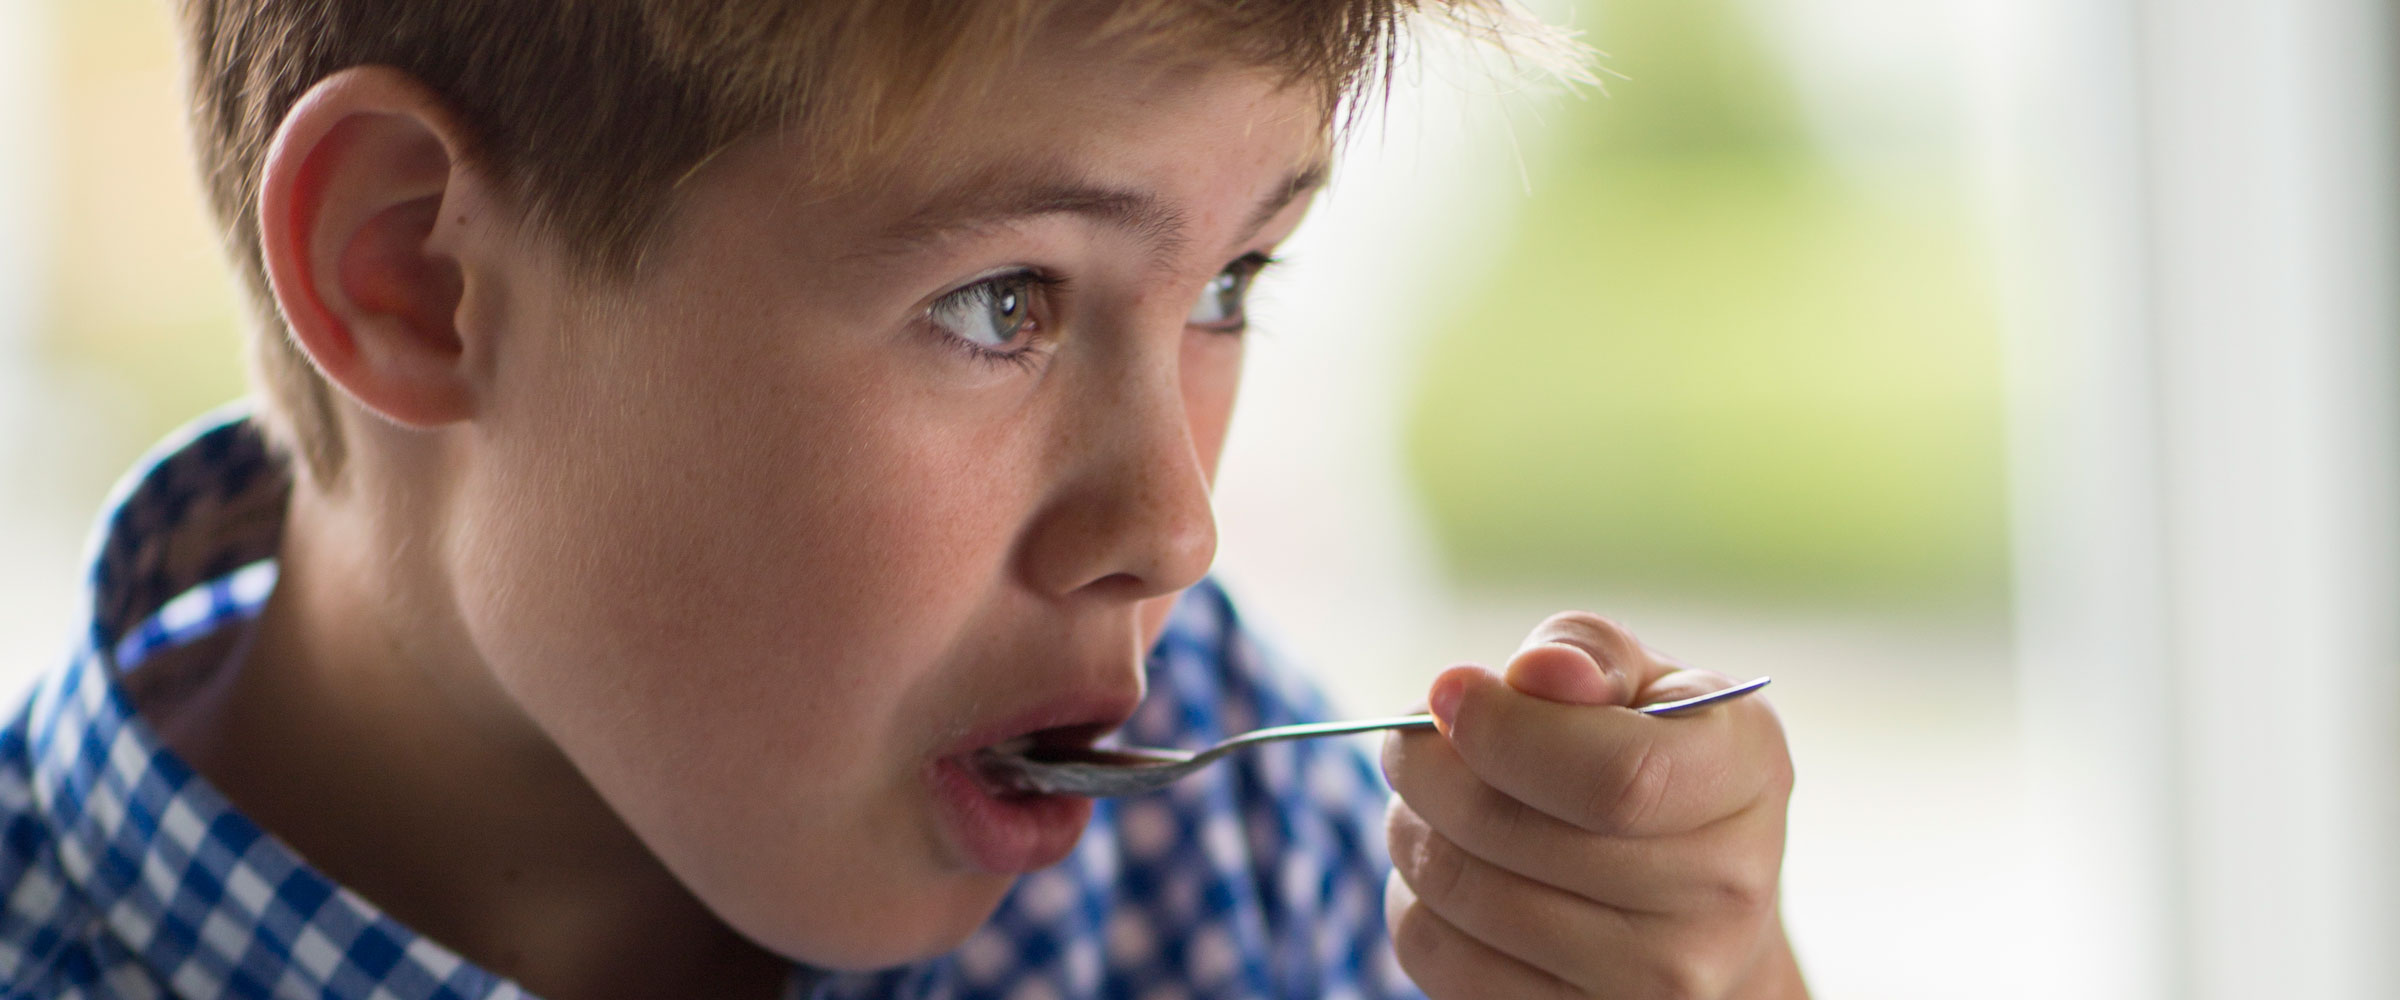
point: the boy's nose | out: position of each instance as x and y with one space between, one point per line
1133 517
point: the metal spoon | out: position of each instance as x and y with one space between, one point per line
1104 773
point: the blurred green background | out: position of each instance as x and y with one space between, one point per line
1712 364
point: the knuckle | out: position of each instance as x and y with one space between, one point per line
1740 884
1406 832
1396 759
1415 768
1781 775
1397 902
1443 867
1436 867
1629 790
1681 977
1399 824
1402 761
1745 896
1417 942
1696 960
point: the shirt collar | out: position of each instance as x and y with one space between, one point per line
209 903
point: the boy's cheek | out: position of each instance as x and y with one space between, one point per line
728 666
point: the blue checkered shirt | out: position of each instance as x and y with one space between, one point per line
125 874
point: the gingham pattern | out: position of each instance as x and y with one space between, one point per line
123 874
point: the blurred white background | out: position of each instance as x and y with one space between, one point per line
2014 380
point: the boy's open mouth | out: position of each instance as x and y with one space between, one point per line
999 828
999 781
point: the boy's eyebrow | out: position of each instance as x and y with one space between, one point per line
1307 178
994 197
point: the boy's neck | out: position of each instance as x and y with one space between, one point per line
353 732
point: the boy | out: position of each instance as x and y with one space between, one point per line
697 430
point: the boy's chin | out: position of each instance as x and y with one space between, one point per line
882 928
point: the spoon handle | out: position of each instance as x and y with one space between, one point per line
1314 729
1698 702
1307 730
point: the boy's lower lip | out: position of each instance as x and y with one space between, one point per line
1005 834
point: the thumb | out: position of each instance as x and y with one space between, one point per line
1555 671
1576 659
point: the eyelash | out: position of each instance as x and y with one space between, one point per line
1033 281
1048 285
1249 266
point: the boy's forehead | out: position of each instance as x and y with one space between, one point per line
1169 153
996 195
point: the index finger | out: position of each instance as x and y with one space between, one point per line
1615 771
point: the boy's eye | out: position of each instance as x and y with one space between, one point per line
1221 301
991 314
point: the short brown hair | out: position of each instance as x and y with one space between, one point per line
589 111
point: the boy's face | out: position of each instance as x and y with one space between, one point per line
766 540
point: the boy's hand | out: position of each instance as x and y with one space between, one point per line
1549 845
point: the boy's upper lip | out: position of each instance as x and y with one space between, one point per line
1075 717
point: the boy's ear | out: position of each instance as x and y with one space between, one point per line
351 196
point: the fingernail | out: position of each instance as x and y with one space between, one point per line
1444 702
